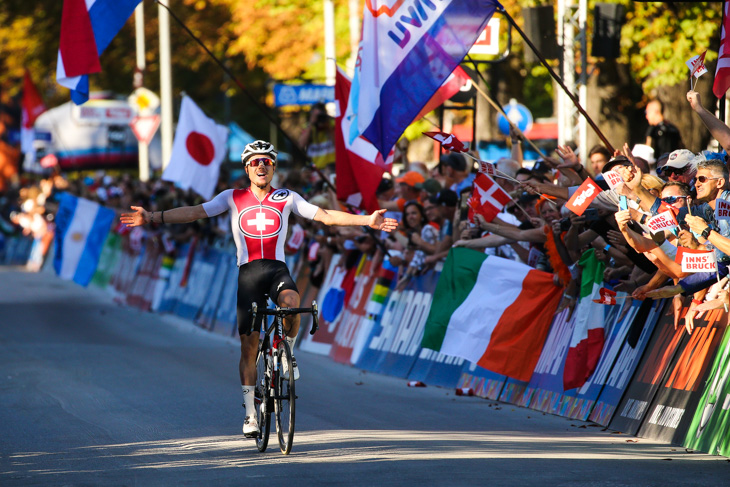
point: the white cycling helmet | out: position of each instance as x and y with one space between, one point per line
258 148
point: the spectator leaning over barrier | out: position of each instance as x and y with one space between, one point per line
711 180
259 217
681 166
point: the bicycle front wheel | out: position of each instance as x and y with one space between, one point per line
284 399
262 399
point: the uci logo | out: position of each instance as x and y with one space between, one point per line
260 222
279 195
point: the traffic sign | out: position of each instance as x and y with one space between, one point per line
518 114
488 40
144 127
144 101
302 94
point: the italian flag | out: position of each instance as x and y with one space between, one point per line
491 311
586 343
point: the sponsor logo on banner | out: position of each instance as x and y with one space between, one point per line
698 261
583 197
613 179
662 221
722 209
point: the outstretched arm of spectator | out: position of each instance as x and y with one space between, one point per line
516 153
717 128
548 189
487 242
535 235
656 280
637 242
571 167
183 214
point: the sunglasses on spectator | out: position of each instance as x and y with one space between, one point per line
673 199
262 160
704 179
677 171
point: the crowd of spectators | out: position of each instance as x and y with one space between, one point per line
433 207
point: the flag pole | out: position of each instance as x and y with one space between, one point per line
559 81
498 107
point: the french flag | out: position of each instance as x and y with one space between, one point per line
87 28
81 229
407 51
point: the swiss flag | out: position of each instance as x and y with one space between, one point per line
197 151
359 166
488 198
583 197
31 107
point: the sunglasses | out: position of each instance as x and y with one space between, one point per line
704 179
677 171
673 199
262 160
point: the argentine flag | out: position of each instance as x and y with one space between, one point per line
81 229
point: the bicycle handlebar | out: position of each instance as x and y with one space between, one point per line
286 312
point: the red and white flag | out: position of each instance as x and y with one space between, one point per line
583 197
488 198
197 151
31 107
722 72
606 296
358 165
696 65
448 141
487 168
693 260
613 179
665 220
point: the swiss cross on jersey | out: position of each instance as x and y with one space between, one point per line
488 198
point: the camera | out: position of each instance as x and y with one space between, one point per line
564 224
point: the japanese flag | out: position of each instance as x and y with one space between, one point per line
488 198
197 151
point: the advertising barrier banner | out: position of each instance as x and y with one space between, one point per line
708 430
631 342
201 275
395 341
355 312
483 382
668 380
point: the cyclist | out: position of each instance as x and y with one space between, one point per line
259 217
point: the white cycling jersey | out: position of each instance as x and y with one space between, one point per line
259 227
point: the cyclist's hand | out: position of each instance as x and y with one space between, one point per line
379 222
139 217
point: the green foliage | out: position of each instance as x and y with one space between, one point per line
658 38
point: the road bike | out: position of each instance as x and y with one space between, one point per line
273 392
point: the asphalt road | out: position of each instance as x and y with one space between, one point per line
93 393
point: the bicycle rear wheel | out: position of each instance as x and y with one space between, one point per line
262 395
284 399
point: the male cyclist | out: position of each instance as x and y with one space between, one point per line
259 217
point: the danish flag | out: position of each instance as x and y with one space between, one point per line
488 198
448 141
607 296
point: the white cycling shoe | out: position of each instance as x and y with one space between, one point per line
250 427
285 369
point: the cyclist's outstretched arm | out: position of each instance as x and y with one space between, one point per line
376 220
183 214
